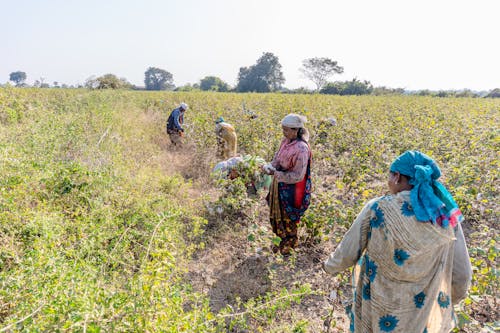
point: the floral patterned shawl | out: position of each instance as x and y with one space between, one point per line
408 273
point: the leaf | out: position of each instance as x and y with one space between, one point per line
463 319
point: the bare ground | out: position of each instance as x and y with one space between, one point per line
231 266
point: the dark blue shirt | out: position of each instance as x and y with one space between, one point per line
176 119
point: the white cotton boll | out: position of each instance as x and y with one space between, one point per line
333 295
268 168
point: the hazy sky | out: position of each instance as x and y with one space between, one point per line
433 44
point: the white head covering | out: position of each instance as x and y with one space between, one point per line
183 106
294 120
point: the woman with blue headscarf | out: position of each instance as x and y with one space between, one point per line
412 260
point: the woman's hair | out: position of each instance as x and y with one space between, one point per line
303 134
405 176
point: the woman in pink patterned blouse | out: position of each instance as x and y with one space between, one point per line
290 192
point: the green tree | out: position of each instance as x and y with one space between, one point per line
18 78
354 87
495 93
188 87
107 81
424 92
332 88
213 83
357 87
466 93
91 82
318 70
158 79
264 76
111 81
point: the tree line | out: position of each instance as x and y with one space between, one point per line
262 77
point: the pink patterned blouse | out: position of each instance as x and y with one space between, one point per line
291 161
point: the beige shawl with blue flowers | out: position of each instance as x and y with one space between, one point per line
408 273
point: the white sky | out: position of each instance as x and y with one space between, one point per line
424 44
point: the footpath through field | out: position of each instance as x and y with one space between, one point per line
233 268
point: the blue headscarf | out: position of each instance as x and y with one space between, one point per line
430 200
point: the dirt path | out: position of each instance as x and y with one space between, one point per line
232 267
